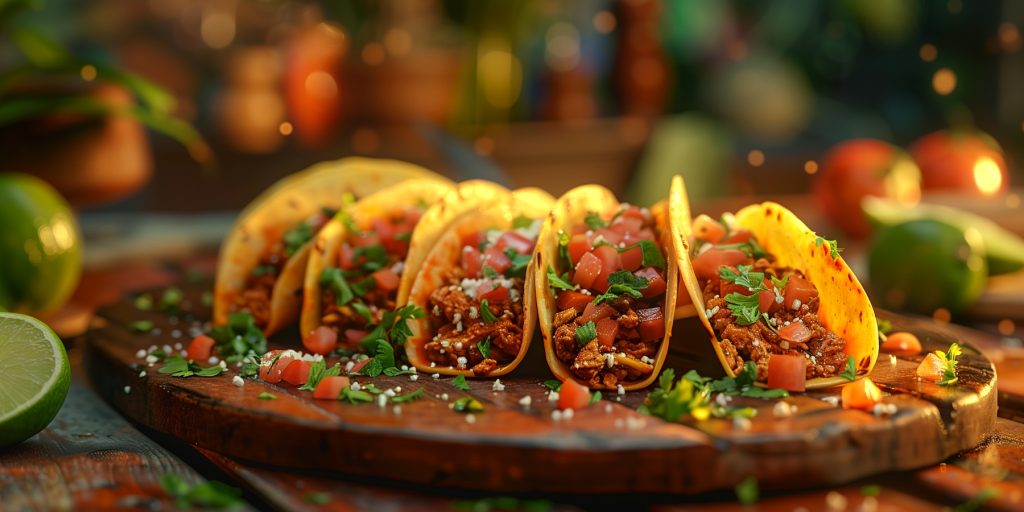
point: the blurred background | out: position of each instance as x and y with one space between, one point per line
195 106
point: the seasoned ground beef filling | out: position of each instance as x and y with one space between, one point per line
825 352
605 366
456 320
259 286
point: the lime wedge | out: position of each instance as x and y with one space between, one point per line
34 377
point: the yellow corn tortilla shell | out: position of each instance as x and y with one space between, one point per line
447 253
569 211
447 204
281 207
844 307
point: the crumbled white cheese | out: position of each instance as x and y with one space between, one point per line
176 333
458 327
620 390
398 389
723 399
567 414
462 361
783 409
389 393
436 311
349 365
796 304
473 313
893 360
152 359
444 396
832 400
398 267
224 364
435 375
433 364
127 389
140 354
355 386
553 396
458 345
457 317
647 360
609 360
634 423
142 374
607 408
382 401
741 422
397 409
471 418
835 501
497 386
525 401
167 349
445 343
556 415
178 346
238 381
414 377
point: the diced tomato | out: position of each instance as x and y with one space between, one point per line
358 367
297 373
624 225
652 324
346 257
800 289
901 344
570 299
587 271
330 387
397 245
655 282
631 259
796 331
353 336
861 394
497 295
573 395
595 313
474 239
707 264
412 217
707 229
787 372
321 340
496 259
931 368
607 330
609 257
386 279
636 212
365 239
384 228
608 235
643 234
767 302
738 237
514 240
200 348
579 245
273 373
472 261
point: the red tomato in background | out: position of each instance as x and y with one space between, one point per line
472 261
386 279
200 349
857 168
313 87
625 225
707 264
573 395
474 239
321 340
708 229
787 372
964 161
496 259
609 235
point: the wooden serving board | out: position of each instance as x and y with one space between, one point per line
605 448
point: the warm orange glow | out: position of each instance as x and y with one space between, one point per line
365 140
944 81
1012 201
928 52
755 158
1009 37
398 42
942 315
285 128
483 145
217 28
987 176
604 22
374 54
811 167
321 85
1006 327
88 72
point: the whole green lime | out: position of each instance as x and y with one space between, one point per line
40 245
926 264
34 377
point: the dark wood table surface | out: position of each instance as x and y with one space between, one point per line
90 458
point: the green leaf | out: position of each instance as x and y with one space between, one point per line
780 283
296 237
594 221
317 369
240 337
884 326
747 492
585 333
488 271
870 490
833 246
522 222
362 310
484 347
850 372
595 398
142 325
559 283
334 279
622 283
949 359
486 314
372 369
753 281
171 299
144 302
385 354
39 49
746 308
563 249
553 384
978 500
266 396
467 404
518 263
459 382
206 299
354 397
177 366
652 256
409 397
371 388
211 371
371 258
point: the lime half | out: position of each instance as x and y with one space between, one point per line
34 377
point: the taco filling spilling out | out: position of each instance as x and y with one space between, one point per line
255 297
478 314
610 317
362 284
758 308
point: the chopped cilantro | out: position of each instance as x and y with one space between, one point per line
779 283
486 314
559 283
595 398
884 326
743 384
651 253
393 328
263 270
353 396
334 279
594 221
371 258
747 491
753 281
484 347
622 283
349 223
553 384
317 498
409 397
239 338
170 300
522 222
746 308
978 501
949 359
691 394
296 237
870 490
364 286
210 494
850 372
833 246
518 263
362 310
467 404
144 302
317 372
372 369
142 325
266 396
459 382
177 366
751 248
563 249
488 271
586 332
373 389
206 299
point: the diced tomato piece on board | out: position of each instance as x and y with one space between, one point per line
787 372
386 279
579 245
610 264
321 341
901 344
800 289
707 264
861 394
652 324
570 299
573 395
607 330
330 387
297 373
200 348
273 373
655 282
587 271
931 367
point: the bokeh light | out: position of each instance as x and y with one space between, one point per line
811 167
987 176
928 52
944 81
755 158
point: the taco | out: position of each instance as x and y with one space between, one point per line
263 260
604 284
364 262
767 287
476 287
